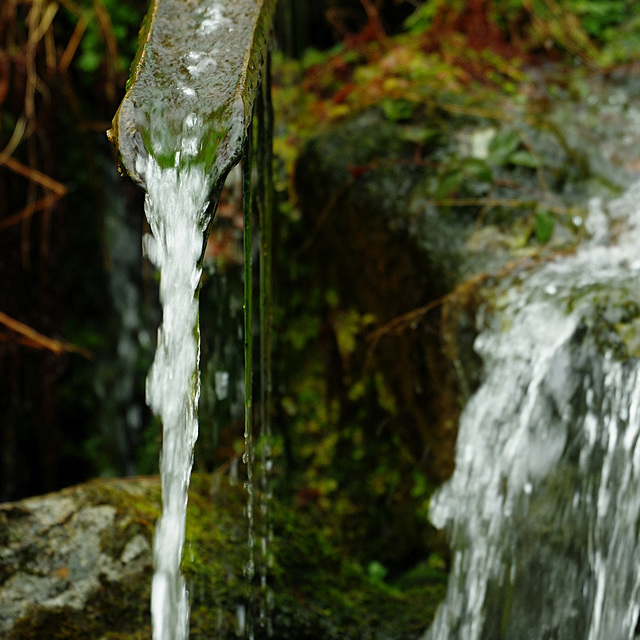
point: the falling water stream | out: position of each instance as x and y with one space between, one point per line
175 206
180 128
543 509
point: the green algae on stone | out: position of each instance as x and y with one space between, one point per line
193 84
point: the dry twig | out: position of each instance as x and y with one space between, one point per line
38 340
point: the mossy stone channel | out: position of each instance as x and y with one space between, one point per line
198 67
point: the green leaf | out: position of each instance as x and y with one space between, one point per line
450 183
544 224
418 134
524 158
396 110
376 572
312 57
89 61
503 145
422 18
477 169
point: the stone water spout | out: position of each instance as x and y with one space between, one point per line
193 84
180 128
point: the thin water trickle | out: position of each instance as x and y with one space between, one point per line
175 207
264 108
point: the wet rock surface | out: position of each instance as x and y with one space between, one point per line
539 508
356 183
67 557
359 186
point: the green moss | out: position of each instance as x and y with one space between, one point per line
315 590
122 607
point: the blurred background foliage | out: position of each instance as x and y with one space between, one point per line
78 306
63 66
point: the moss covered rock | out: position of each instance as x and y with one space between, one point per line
77 564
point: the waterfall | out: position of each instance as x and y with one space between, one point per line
543 509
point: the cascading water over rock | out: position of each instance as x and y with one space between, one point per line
542 511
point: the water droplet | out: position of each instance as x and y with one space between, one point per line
222 384
241 620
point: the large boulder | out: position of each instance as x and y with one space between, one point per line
407 213
387 252
410 213
77 562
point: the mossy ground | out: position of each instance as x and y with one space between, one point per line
313 589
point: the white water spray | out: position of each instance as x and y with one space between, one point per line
543 508
175 206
